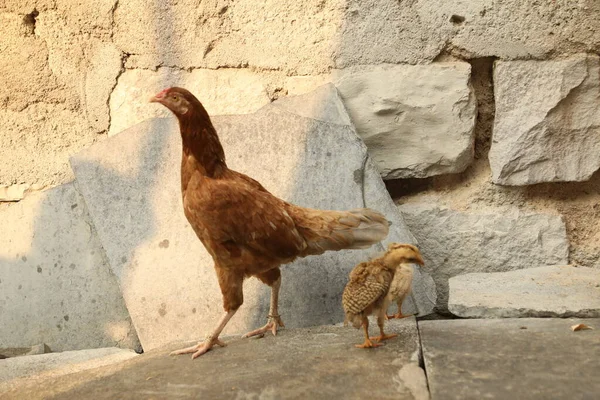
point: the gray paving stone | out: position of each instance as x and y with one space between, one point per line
552 291
18 371
309 363
526 358
131 184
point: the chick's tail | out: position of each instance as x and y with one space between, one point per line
337 230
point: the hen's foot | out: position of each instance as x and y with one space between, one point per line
383 337
367 345
200 348
274 321
398 315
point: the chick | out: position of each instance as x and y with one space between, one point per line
400 287
368 291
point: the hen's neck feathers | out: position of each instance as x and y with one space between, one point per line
200 141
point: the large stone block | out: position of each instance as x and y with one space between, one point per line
131 183
547 125
55 283
224 91
552 291
455 243
417 121
524 358
317 363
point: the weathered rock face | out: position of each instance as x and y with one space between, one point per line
55 283
547 126
551 291
525 358
455 243
294 36
417 121
223 91
165 273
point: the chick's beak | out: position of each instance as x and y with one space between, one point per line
419 260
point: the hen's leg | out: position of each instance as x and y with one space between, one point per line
382 335
399 314
273 279
367 344
233 297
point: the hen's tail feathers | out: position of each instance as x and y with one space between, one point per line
337 230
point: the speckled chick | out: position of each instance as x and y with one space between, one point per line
368 291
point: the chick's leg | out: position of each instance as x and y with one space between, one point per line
399 314
367 344
273 279
380 323
233 297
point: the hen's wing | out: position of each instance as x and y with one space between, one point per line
237 214
360 295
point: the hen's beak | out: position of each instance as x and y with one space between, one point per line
155 99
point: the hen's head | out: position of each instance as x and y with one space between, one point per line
398 253
179 100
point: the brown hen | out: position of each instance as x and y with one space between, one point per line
248 231
374 284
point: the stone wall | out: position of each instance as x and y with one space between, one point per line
483 111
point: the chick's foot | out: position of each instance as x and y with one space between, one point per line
274 321
367 345
200 348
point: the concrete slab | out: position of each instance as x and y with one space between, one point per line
528 358
131 184
55 283
18 371
552 291
310 363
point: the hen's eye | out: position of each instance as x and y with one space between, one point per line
175 98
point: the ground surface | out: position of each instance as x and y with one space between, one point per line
464 359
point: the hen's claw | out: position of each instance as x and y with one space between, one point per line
200 348
367 345
273 322
383 337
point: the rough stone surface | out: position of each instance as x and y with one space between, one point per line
223 91
297 37
166 275
59 67
511 359
417 121
552 291
547 126
315 363
55 283
455 243
18 371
